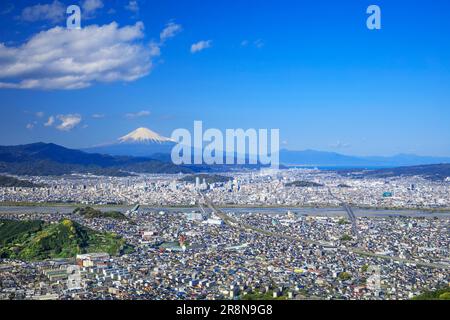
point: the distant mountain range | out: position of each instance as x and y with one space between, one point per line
144 151
46 159
332 159
144 142
436 172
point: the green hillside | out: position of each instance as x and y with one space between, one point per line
89 212
9 182
303 184
440 294
38 240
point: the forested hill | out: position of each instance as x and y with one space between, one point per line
44 159
38 240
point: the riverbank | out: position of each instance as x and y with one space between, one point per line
301 211
226 206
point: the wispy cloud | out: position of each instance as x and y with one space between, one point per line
53 12
132 6
90 7
201 45
9 7
50 121
98 115
340 145
68 121
170 31
259 43
140 114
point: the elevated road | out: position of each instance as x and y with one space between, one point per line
351 215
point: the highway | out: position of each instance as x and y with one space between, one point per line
350 213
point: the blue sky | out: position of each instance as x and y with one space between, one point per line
310 68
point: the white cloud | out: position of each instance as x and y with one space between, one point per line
132 6
201 45
60 58
68 121
53 12
90 6
98 116
170 31
30 126
39 114
50 121
140 114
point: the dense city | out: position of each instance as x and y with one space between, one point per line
272 239
250 188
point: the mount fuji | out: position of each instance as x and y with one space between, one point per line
141 142
145 136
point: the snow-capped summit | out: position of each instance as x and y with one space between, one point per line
142 142
143 135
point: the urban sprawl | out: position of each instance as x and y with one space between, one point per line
259 234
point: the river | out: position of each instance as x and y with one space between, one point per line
301 211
